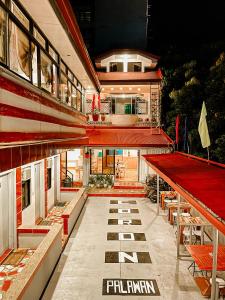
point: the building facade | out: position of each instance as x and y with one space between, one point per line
48 139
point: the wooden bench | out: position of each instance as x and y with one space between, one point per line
204 286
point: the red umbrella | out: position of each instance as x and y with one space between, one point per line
93 103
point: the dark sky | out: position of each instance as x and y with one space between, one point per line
180 23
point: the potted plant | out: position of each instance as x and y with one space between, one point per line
98 181
91 182
95 114
87 155
103 117
109 179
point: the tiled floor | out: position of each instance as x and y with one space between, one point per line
8 272
82 268
54 215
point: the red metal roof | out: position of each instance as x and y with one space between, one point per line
195 179
128 137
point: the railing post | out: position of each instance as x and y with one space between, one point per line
178 226
214 292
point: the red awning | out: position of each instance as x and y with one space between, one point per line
195 179
128 137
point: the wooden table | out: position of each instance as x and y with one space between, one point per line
184 206
191 222
164 195
203 256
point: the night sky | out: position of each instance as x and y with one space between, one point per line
176 23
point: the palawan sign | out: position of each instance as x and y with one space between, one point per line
130 287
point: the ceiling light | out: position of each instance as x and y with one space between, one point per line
112 89
139 89
103 89
121 88
130 88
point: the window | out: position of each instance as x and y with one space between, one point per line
53 54
38 36
46 72
74 97
63 88
79 101
19 51
49 178
124 105
134 67
26 193
2 36
102 161
116 67
20 15
34 65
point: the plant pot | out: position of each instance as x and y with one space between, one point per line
95 118
105 185
98 185
103 118
109 186
91 185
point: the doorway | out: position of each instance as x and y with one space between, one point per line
126 165
7 212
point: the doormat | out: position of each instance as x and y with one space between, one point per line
123 202
14 258
127 257
125 236
123 211
130 287
124 222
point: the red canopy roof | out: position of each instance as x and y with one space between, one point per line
128 137
199 178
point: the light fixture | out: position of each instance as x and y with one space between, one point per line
103 89
112 89
130 88
121 88
138 89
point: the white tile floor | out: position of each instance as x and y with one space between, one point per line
81 269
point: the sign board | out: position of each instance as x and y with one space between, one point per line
132 287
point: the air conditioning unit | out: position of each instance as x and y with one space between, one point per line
26 174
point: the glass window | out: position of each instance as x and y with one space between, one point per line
53 54
96 161
123 105
19 51
63 88
38 36
2 36
25 193
102 161
55 81
69 93
63 67
46 72
34 65
74 97
20 16
108 162
70 75
134 67
116 67
79 101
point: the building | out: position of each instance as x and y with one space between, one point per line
48 139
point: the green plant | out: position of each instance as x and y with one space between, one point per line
92 179
96 111
109 179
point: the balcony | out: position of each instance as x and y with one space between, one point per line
128 76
